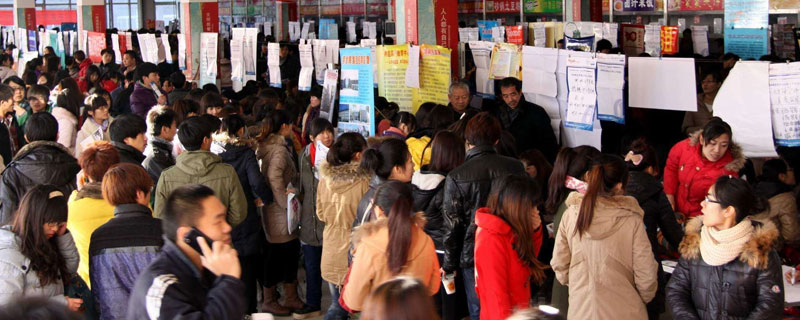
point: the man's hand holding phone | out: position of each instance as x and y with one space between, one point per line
220 259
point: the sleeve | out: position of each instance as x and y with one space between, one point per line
274 174
256 180
770 290
66 245
237 205
538 239
679 293
671 169
645 267
8 196
789 224
358 288
492 279
454 227
668 223
562 254
688 125
225 300
66 133
161 197
435 281
12 282
320 208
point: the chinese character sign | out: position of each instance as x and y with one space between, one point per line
669 39
696 5
541 6
638 5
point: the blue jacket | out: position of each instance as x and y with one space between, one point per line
118 251
171 287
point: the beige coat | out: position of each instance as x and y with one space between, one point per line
338 193
89 133
694 121
279 170
610 271
370 266
783 213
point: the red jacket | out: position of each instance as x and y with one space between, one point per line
83 66
502 281
688 175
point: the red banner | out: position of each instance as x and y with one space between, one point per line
30 18
411 21
632 39
470 7
669 40
99 18
446 15
514 34
97 42
211 16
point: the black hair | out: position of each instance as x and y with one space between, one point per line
381 159
184 207
92 103
130 77
36 308
210 87
211 100
603 44
273 122
177 79
16 80
127 125
63 100
318 126
232 124
772 169
738 193
715 128
345 147
405 118
161 118
39 91
6 93
144 70
717 77
6 57
729 56
569 162
41 126
192 132
511 82
648 153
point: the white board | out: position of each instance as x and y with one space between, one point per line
662 83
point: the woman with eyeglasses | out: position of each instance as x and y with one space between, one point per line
729 268
37 253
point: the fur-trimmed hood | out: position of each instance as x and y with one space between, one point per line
345 173
734 150
755 253
223 139
375 141
28 148
92 190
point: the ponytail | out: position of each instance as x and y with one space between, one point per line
400 223
606 173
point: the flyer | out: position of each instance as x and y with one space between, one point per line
328 104
182 51
237 66
306 67
784 94
434 76
115 47
610 82
505 61
96 43
669 39
481 54
208 58
356 96
485 29
582 99
392 64
274 64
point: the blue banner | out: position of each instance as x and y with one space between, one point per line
485 29
356 96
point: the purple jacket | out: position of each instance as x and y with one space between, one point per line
142 99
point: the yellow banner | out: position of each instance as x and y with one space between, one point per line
434 76
392 65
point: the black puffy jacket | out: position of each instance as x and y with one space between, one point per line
428 191
128 154
39 162
750 287
465 190
658 212
159 158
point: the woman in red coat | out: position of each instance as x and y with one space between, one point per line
503 265
695 164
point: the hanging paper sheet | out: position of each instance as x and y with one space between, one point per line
434 76
274 64
669 40
582 100
652 40
505 61
329 92
356 97
700 40
96 43
237 66
485 29
306 67
208 58
540 83
182 51
784 90
468 34
412 72
673 89
585 44
115 47
514 35
392 65
481 54
610 82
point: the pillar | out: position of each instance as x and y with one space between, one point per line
197 16
91 15
25 14
429 22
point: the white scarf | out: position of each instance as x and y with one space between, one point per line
718 247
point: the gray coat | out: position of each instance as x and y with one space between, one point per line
310 226
16 278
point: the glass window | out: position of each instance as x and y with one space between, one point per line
122 14
166 11
122 19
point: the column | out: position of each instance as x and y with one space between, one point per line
429 22
25 14
197 16
91 16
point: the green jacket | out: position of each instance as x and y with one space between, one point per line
206 168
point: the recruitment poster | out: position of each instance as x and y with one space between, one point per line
669 39
96 43
356 97
330 82
434 76
208 58
392 64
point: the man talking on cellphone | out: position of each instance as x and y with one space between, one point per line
192 278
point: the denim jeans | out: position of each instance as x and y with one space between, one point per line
312 256
473 304
335 311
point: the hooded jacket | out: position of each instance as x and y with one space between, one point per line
338 192
782 211
466 189
158 156
206 168
128 154
688 174
420 149
502 279
248 236
658 213
370 267
750 287
88 211
428 191
610 269
67 127
142 99
310 225
119 251
278 168
89 133
18 280
39 162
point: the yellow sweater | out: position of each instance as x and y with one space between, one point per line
416 147
86 215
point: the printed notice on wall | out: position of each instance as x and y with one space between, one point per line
306 67
274 64
582 98
392 64
784 89
434 76
610 82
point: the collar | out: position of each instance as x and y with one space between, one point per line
161 143
132 209
480 150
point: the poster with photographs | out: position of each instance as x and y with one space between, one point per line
356 97
329 94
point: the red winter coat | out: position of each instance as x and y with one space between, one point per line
502 281
688 175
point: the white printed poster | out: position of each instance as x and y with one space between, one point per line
274 64
208 58
582 99
784 94
412 72
610 82
306 67
482 54
182 51
167 48
700 40
115 47
237 63
329 94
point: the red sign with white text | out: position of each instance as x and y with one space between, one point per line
99 18
210 17
97 42
411 21
446 15
30 18
514 34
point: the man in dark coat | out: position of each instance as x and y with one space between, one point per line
527 122
41 161
127 135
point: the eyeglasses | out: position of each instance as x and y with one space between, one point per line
709 200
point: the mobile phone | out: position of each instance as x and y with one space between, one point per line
191 240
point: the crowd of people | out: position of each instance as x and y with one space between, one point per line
128 193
